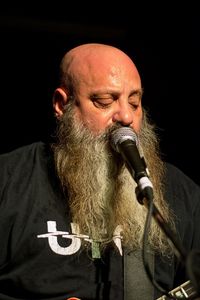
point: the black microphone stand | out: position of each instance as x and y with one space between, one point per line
145 197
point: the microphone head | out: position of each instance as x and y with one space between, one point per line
122 134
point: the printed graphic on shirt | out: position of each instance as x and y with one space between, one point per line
76 238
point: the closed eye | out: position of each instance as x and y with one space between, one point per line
135 99
134 106
102 101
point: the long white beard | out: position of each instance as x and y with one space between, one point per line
101 191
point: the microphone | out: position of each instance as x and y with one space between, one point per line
124 141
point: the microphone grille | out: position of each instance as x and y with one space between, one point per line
122 134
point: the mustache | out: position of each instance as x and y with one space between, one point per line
106 135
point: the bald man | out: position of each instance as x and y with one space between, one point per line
69 214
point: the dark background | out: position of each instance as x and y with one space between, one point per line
165 47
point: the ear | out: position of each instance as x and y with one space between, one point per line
59 101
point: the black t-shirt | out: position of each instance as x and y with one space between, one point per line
41 252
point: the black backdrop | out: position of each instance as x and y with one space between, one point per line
165 50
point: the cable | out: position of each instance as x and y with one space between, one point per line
144 251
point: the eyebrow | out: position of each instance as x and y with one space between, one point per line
97 93
137 91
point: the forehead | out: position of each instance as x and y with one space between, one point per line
99 68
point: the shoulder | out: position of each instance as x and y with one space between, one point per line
177 177
22 154
21 160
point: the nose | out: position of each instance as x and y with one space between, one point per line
123 114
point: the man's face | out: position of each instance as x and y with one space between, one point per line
106 94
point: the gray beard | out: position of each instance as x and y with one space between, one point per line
100 189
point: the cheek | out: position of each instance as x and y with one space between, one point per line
137 122
95 121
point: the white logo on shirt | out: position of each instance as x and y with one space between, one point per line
75 238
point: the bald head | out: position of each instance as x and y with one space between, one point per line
104 84
93 58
